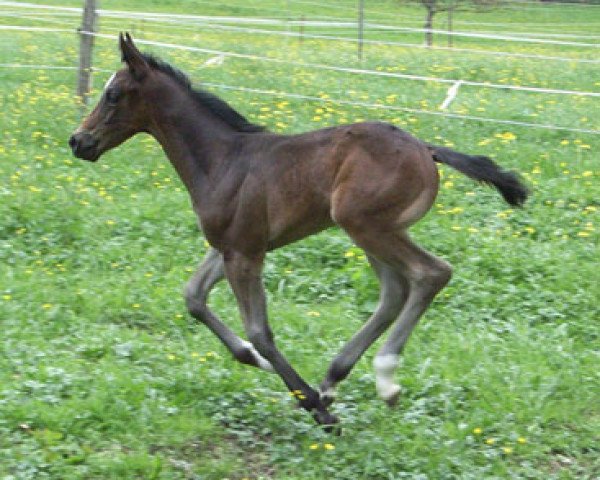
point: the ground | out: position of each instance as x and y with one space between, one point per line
104 375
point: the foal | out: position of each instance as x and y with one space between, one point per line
254 191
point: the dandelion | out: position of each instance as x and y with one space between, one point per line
507 136
490 441
312 313
521 440
314 446
329 446
507 450
477 431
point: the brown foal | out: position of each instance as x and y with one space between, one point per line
254 191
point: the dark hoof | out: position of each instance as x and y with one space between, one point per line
333 429
392 400
329 421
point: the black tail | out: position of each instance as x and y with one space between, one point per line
484 170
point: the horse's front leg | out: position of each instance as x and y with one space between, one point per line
244 274
209 273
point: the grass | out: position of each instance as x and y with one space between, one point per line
104 375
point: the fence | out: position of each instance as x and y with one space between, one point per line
87 34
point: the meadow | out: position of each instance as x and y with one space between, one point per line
103 374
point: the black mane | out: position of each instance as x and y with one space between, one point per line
218 107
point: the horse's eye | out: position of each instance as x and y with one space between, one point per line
112 97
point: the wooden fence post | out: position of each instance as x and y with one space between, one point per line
361 27
86 44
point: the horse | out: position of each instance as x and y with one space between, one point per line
254 191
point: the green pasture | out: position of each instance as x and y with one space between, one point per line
103 374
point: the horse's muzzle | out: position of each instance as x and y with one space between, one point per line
84 146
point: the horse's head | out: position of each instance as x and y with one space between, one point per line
122 110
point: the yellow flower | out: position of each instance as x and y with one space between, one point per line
508 136
507 450
490 441
329 446
314 446
477 431
521 440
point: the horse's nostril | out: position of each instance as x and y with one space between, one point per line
72 141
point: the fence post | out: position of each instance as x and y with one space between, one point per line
361 27
86 45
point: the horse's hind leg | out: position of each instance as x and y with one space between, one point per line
391 298
209 273
426 276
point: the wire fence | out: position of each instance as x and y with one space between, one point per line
454 83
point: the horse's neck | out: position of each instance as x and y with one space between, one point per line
194 142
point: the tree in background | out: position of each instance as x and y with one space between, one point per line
432 7
450 6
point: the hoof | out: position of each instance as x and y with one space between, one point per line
323 417
333 429
392 396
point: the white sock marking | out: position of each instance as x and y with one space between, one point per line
385 366
260 361
330 392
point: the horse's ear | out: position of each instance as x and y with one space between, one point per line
138 66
